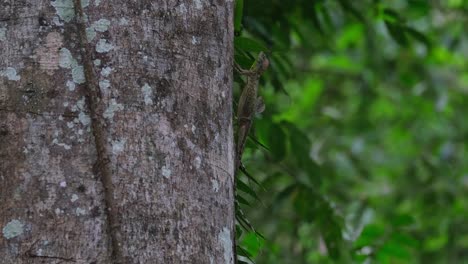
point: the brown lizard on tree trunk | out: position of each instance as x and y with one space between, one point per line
249 103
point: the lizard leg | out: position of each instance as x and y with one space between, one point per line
259 105
242 71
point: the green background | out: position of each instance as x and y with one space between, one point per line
365 132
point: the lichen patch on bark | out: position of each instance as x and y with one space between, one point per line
10 73
2 34
13 229
104 46
225 241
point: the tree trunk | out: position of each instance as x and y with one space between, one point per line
116 131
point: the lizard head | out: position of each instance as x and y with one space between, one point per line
262 62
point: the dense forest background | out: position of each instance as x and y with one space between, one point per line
364 134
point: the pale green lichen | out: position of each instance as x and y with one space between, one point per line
13 229
101 25
90 34
67 61
215 185
71 86
106 71
197 162
123 21
166 172
2 34
224 237
198 4
63 145
147 93
10 74
112 108
97 62
64 9
80 211
84 3
56 21
182 9
78 74
80 104
104 84
84 119
103 46
118 146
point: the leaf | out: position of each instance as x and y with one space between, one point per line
258 142
403 220
248 44
281 64
300 148
242 252
392 16
276 82
276 139
282 34
238 14
436 242
244 223
369 235
253 243
397 32
285 193
316 20
250 177
241 200
419 8
419 37
404 239
348 7
243 59
245 188
392 249
239 231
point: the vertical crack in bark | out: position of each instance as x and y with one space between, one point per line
102 167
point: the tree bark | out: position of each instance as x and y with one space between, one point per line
116 140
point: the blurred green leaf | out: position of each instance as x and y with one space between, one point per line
369 236
403 220
245 188
398 33
253 243
248 44
238 14
392 250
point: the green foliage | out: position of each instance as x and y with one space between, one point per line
364 132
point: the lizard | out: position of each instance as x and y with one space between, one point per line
249 103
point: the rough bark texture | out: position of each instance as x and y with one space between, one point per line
116 131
